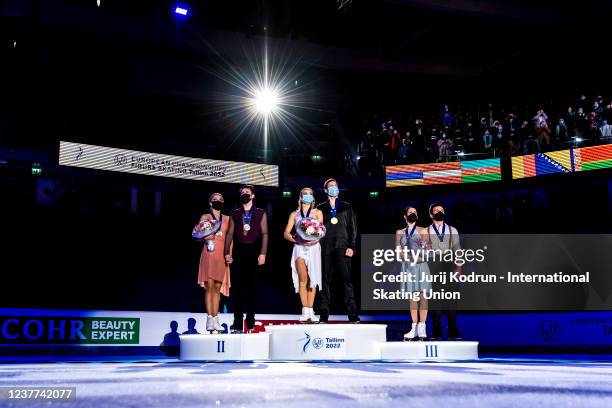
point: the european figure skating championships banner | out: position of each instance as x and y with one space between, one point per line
162 165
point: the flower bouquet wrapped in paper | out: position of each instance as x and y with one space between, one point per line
310 229
204 229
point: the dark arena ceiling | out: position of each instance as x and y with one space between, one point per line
128 72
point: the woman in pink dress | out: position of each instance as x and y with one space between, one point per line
213 273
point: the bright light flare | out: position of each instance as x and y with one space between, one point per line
266 101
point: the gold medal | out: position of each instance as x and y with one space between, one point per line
334 220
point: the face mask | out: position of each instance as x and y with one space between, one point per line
333 191
245 198
307 198
411 218
439 216
217 205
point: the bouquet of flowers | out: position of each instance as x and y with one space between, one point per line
205 228
310 229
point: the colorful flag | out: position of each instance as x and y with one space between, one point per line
562 161
595 157
532 165
443 173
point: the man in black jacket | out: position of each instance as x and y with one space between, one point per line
337 249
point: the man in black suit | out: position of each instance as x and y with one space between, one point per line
337 247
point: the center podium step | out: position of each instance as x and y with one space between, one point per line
311 342
326 341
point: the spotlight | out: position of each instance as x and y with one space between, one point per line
266 101
182 10
578 139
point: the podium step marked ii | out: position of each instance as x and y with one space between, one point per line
225 347
308 342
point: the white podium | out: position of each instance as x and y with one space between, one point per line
326 341
312 342
429 350
224 347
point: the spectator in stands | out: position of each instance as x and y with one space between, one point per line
561 131
471 144
607 113
483 125
403 151
570 120
605 131
543 135
445 147
592 128
395 142
514 147
498 133
540 119
386 141
511 125
432 145
447 116
487 140
597 108
581 122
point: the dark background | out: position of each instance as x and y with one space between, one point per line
128 74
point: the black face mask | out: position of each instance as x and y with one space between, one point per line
439 216
245 198
216 205
412 217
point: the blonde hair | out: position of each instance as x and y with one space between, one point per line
210 198
312 205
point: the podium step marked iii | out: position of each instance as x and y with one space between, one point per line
308 342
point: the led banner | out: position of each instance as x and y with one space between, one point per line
74 329
469 171
161 165
562 161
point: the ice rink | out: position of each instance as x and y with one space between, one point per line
172 383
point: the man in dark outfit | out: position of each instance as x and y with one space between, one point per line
248 230
337 249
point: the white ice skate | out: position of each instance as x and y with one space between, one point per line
422 331
313 317
217 328
210 323
411 334
305 317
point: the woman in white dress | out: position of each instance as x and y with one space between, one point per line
306 257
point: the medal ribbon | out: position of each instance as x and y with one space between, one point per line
411 233
302 212
334 210
440 236
247 217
